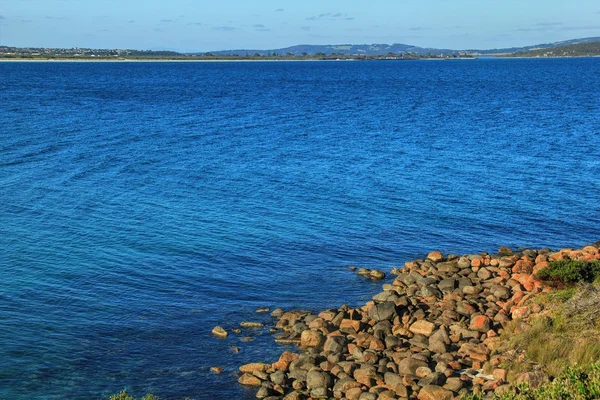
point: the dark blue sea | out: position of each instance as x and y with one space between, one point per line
143 203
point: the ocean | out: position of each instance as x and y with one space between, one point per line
141 204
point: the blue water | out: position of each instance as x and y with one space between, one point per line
143 203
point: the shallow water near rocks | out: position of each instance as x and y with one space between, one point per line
143 203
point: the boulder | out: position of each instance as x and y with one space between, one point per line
318 379
335 344
249 380
383 311
422 327
433 392
311 338
219 332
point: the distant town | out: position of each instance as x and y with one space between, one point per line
585 47
118 54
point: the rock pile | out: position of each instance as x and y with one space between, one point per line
431 334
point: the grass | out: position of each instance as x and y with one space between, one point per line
574 383
565 334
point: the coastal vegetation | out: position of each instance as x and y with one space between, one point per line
571 50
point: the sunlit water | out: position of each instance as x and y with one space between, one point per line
143 203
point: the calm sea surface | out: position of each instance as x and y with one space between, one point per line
143 203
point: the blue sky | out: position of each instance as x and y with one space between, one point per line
199 25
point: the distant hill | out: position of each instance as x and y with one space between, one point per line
344 49
511 50
572 50
396 48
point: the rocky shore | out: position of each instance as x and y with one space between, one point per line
434 333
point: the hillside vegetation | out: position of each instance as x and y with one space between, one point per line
574 50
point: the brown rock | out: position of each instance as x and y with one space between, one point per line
520 312
247 324
366 375
284 360
533 379
254 367
422 327
480 323
523 266
435 256
354 393
249 380
484 274
409 366
500 374
216 370
350 324
311 338
293 396
432 392
219 332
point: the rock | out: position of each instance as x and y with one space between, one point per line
343 385
480 323
432 392
447 285
484 274
264 391
335 344
376 274
252 368
435 256
367 396
435 378
520 313
475 352
284 360
353 393
247 324
219 332
383 311
262 310
533 379
249 380
422 372
439 340
392 380
318 379
216 370
366 375
348 325
454 384
505 251
472 290
409 366
500 374
311 338
422 327
276 313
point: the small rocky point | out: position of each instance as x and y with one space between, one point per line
431 334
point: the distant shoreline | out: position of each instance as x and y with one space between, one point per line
175 60
216 60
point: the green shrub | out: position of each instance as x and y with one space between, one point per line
575 383
571 271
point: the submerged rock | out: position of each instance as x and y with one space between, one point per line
219 332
